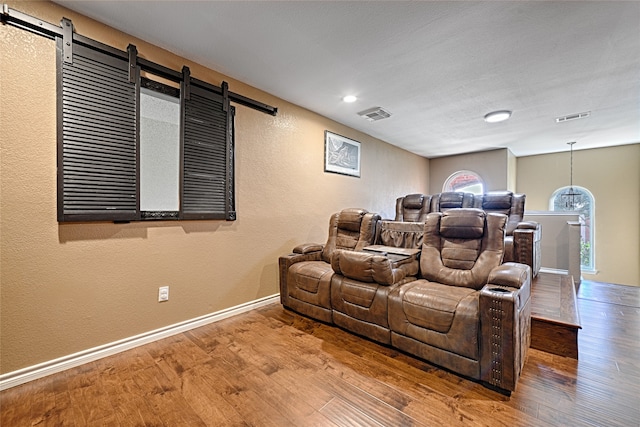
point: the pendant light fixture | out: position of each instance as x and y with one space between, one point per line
571 197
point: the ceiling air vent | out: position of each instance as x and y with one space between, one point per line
573 117
374 114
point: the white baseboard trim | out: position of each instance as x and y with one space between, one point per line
15 378
553 270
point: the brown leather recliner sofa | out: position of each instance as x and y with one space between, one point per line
452 302
522 238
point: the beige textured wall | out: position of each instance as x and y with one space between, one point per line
613 177
70 287
492 166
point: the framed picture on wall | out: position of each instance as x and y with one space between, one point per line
341 154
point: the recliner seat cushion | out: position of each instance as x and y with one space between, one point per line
433 307
310 282
441 316
357 293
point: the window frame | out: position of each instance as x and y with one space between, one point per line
591 268
447 183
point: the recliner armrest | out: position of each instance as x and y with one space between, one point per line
505 322
306 248
511 275
529 230
528 225
526 245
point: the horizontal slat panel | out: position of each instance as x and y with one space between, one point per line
202 166
98 151
82 138
86 108
96 168
75 128
91 156
92 88
99 165
205 156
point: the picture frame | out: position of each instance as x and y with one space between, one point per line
341 155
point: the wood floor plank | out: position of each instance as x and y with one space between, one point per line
130 406
344 415
165 398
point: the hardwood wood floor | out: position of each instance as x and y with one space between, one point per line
272 367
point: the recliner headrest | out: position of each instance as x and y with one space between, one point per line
413 201
350 219
451 200
465 223
497 200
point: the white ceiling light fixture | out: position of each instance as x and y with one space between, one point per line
350 98
497 116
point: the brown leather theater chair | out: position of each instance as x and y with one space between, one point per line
522 238
413 207
468 313
442 202
305 275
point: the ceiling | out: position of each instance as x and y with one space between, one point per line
438 67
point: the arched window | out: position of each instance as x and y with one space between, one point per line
464 181
580 201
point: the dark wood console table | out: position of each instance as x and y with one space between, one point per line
554 315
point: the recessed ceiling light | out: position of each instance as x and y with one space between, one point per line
350 98
497 116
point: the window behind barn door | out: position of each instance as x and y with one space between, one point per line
110 150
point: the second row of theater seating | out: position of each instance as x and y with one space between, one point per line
522 238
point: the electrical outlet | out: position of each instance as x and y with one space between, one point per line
163 293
